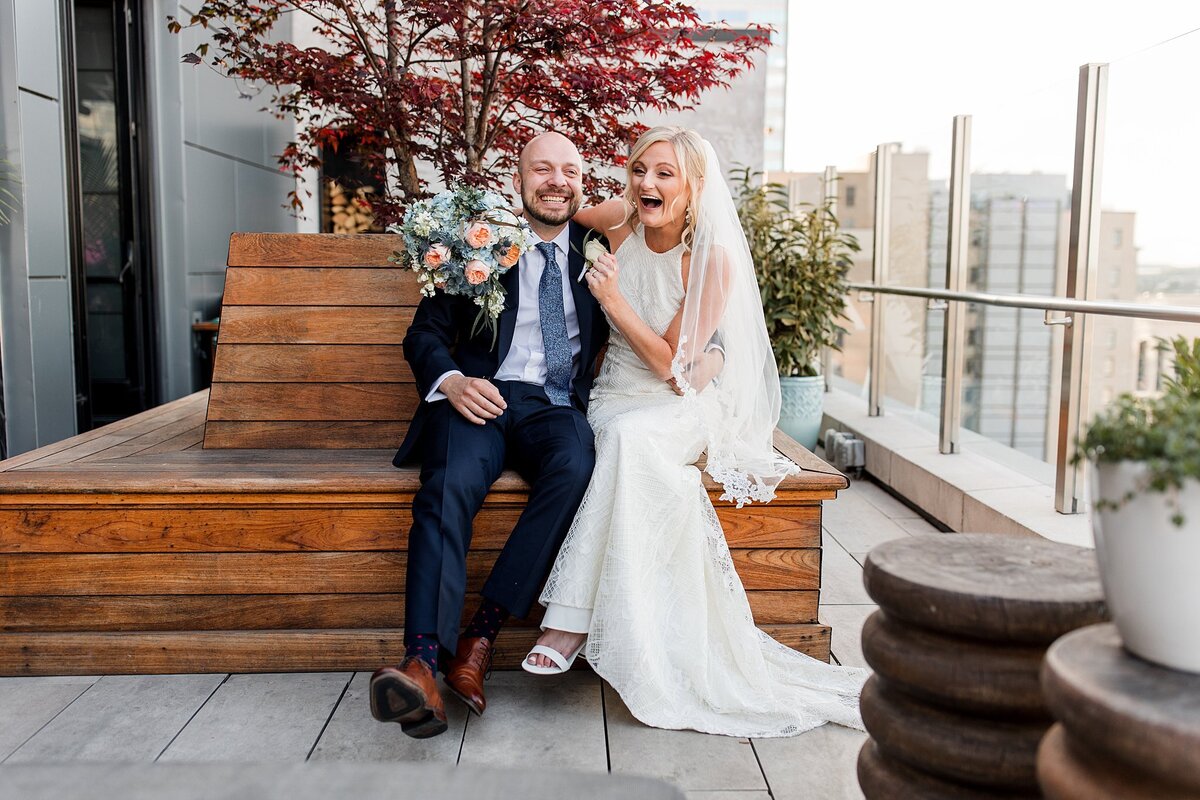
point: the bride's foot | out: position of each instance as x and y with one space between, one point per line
563 642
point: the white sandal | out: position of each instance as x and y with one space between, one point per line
561 664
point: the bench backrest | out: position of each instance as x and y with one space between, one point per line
308 350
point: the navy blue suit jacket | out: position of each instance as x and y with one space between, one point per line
439 339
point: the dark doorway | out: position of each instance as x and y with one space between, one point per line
115 353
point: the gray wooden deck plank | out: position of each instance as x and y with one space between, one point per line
27 704
554 722
269 717
819 763
121 718
858 525
847 623
879 497
841 575
354 735
693 761
314 781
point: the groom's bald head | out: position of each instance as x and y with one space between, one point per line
550 144
550 178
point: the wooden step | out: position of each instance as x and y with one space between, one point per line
268 651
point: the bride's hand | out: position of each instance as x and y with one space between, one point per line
602 279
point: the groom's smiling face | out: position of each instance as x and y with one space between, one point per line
550 179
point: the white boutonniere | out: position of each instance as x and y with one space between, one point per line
592 250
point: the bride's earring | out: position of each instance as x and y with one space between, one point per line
687 215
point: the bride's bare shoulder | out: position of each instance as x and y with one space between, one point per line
607 218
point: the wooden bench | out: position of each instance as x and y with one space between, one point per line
279 544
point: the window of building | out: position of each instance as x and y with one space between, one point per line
850 196
1118 237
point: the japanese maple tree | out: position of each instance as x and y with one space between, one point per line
463 85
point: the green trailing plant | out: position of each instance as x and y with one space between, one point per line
802 258
1161 432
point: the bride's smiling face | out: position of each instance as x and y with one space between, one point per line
657 187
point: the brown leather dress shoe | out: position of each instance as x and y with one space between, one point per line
408 694
468 671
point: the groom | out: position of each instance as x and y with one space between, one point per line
521 404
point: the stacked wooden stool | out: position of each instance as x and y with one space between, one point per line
954 708
1127 729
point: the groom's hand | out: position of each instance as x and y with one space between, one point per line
477 399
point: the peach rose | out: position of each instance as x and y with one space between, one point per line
437 255
477 272
478 235
511 257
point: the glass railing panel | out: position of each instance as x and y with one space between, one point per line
1149 252
916 258
1022 157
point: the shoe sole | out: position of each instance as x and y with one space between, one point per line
393 700
470 705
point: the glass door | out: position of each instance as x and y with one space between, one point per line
112 280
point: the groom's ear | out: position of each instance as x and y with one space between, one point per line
517 183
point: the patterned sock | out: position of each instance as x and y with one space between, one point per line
423 646
488 620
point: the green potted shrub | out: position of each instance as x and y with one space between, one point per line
1146 514
802 258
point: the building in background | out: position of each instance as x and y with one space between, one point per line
1018 245
771 13
134 169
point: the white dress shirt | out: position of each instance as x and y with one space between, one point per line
526 357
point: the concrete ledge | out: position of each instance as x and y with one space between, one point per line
964 491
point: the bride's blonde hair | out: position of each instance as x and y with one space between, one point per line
689 152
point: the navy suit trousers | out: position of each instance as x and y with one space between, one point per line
550 446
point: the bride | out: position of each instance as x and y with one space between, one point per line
644 585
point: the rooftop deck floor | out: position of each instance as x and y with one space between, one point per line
574 722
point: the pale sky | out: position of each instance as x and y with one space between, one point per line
863 72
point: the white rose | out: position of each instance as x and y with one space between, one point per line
593 250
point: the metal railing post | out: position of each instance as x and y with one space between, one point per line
879 273
829 197
958 243
1082 257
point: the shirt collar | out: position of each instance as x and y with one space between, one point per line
563 240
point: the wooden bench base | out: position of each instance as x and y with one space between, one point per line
130 549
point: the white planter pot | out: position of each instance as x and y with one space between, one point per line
1150 568
800 408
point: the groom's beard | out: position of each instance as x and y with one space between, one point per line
550 215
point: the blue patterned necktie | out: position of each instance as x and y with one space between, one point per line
554 329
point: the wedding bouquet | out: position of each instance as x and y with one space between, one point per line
461 241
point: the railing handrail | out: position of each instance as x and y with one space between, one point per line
1042 303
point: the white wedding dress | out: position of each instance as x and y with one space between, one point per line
645 571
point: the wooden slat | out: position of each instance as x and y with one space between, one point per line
196 400
312 401
115 436
778 568
280 528
32 574
268 651
309 363
312 250
313 325
149 440
297 611
205 472
313 434
807 460
192 437
320 286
